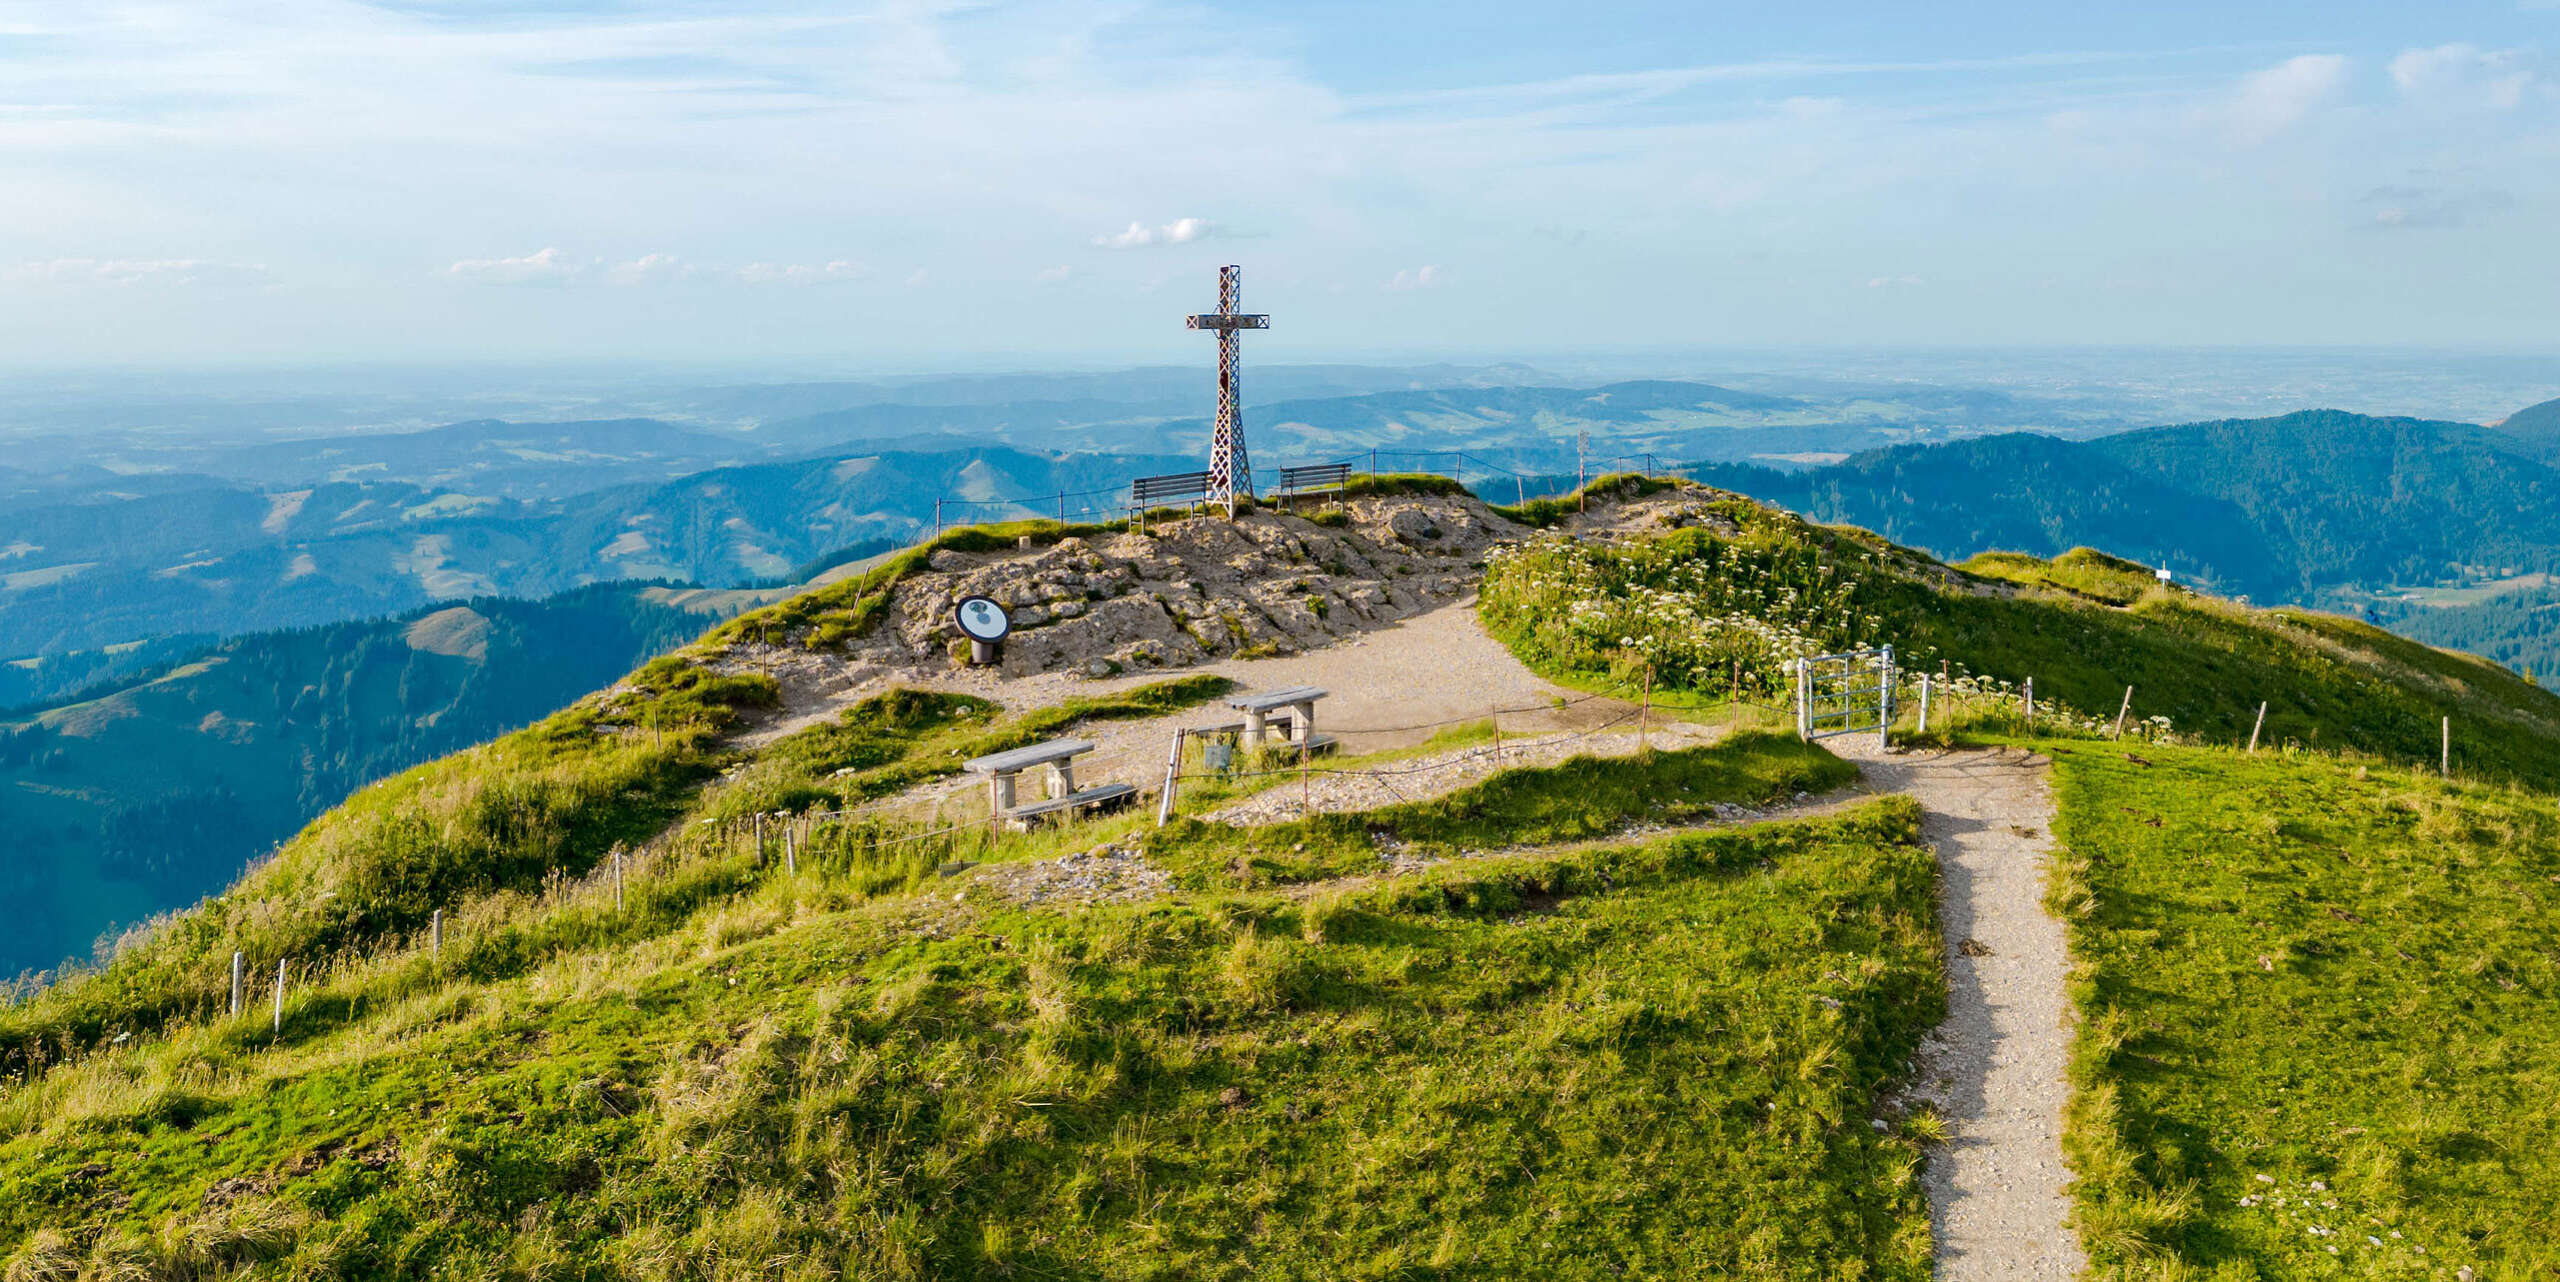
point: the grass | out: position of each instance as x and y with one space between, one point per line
1634 1059
1576 800
1548 513
2335 977
900 738
2206 664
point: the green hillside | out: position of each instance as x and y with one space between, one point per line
2318 1037
146 795
1704 608
1571 1020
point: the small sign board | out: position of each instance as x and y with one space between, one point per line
2163 575
982 619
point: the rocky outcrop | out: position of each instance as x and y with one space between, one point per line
1189 590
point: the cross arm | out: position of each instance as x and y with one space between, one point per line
1225 320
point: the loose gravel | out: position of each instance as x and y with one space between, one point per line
1998 1189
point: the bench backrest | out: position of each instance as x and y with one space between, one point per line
1315 476
1167 489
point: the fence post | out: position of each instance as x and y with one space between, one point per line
2031 703
790 848
1924 703
617 881
937 518
2121 709
1373 460
1884 698
278 1022
435 934
2260 725
1497 742
1305 805
1804 698
1172 770
237 981
1644 713
2444 764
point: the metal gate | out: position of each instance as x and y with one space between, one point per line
1849 693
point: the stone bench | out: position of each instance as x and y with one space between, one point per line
1002 769
1295 705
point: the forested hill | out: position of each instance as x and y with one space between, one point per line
2273 508
2537 427
146 796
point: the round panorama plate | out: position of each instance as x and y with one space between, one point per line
982 618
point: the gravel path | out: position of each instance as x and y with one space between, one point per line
1393 782
1997 1200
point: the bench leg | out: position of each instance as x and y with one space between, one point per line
1000 794
1062 780
1254 728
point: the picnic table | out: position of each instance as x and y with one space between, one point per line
1004 769
1296 708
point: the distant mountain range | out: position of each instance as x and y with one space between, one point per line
144 795
113 567
2322 507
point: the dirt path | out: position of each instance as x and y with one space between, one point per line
1994 1069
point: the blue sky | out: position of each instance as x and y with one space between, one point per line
924 184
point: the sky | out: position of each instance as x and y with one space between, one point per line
942 184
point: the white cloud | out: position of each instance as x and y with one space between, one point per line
1181 231
2272 101
1412 278
802 273
1054 275
1892 282
649 269
134 271
917 278
2463 77
542 267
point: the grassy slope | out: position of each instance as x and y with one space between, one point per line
1499 1066
2084 627
2310 971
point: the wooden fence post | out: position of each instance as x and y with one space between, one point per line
1497 743
2031 703
2121 709
1804 699
278 1022
2259 725
238 982
1644 713
2444 764
1924 703
617 881
435 934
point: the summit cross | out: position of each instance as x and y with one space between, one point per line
1230 473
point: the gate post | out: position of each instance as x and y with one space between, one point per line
1884 697
1804 698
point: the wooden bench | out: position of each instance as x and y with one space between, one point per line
1186 488
1295 705
1315 478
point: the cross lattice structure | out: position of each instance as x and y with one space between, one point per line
1230 472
